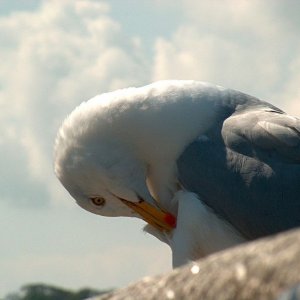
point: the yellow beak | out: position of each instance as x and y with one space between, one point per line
159 219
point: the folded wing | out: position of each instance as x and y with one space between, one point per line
247 170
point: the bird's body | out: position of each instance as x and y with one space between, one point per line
192 149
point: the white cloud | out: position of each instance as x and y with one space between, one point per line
52 59
65 52
68 51
246 45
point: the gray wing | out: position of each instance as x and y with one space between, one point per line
247 170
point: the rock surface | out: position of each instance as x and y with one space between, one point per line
263 269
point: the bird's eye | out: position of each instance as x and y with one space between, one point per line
98 201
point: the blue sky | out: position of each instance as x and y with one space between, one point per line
56 54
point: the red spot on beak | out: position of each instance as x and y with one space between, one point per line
170 220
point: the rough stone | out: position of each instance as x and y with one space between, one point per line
263 269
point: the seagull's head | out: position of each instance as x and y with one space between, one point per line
103 174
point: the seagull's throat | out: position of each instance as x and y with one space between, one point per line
154 216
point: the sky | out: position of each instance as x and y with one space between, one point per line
56 54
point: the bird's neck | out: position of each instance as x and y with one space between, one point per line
166 141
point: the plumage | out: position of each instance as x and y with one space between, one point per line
224 163
248 172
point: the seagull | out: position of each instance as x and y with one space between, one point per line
206 167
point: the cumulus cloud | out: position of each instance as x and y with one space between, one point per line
64 52
52 59
252 46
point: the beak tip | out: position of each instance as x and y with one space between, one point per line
170 220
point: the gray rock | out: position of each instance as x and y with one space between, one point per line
290 294
263 269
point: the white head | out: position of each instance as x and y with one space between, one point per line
109 145
103 174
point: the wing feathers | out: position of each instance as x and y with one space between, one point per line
285 135
252 131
